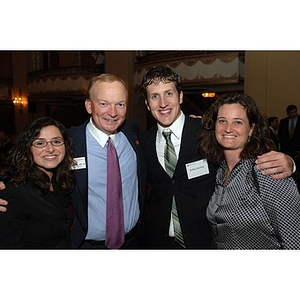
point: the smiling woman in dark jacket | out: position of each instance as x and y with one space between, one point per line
38 180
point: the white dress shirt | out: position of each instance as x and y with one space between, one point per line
176 128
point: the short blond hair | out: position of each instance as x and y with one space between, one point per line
106 77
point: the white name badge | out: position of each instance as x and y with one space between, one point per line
197 168
79 163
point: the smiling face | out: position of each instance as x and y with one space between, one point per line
232 128
49 157
163 101
107 105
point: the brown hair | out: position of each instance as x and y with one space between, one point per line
259 143
160 74
21 167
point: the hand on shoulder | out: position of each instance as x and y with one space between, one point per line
277 164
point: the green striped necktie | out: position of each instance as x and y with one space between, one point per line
170 165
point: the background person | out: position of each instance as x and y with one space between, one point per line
273 123
248 210
289 136
38 182
289 132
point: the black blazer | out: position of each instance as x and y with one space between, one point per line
288 145
192 195
274 138
34 219
80 192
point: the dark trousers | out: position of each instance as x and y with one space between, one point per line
165 244
132 241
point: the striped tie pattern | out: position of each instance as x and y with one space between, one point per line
170 164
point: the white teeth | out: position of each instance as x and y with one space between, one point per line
228 136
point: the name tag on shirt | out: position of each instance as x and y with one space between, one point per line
79 163
197 168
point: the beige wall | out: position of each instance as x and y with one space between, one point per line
272 78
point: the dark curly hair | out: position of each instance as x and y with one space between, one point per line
160 74
21 167
259 143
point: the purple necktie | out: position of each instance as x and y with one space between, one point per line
114 201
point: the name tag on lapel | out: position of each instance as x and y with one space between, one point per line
79 163
197 168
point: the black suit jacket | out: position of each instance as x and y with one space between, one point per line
35 219
288 145
192 195
80 192
274 138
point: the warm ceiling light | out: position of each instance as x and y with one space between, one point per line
208 95
18 101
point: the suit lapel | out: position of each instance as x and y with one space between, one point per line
134 142
188 145
81 174
151 145
131 134
297 124
185 145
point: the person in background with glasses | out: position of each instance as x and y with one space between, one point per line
38 182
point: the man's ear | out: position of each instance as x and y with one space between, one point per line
181 97
146 103
87 104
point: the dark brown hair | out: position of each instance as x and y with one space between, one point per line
21 167
160 74
259 142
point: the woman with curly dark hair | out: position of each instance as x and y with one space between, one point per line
248 210
39 180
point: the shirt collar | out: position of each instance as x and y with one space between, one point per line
294 120
99 135
176 127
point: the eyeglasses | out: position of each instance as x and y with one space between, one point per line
43 144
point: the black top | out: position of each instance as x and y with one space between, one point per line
35 220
